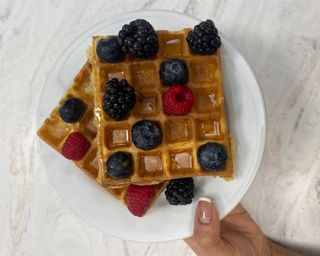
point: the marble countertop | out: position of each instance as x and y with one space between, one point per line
280 39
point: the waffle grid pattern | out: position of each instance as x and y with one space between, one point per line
55 131
176 157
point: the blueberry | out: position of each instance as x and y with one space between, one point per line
146 134
71 110
120 165
212 156
173 71
108 50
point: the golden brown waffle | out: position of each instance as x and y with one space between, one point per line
54 130
176 157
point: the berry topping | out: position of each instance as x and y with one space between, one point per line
109 50
71 110
119 98
178 100
146 134
204 38
139 198
139 39
212 156
75 146
180 191
173 71
120 165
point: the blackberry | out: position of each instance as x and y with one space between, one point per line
180 191
146 134
109 50
72 110
120 165
212 156
204 38
119 98
139 39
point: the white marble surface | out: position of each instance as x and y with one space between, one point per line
280 39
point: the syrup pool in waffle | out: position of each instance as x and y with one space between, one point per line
54 131
176 156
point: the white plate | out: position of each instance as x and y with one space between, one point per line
247 121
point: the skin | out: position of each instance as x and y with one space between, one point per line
236 235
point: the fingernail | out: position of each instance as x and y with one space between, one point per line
205 205
206 199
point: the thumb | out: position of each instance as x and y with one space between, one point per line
206 230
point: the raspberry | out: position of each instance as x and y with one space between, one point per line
139 198
178 100
75 146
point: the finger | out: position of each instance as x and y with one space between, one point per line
206 231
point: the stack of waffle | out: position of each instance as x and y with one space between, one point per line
176 156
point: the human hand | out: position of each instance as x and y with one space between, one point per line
236 235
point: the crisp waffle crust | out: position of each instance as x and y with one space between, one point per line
54 131
176 157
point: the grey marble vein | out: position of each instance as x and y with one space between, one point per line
4 15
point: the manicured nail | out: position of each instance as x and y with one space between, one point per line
207 199
205 205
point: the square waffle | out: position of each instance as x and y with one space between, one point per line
176 156
54 130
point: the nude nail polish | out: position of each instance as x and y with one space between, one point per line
205 205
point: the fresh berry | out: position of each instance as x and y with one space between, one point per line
139 198
75 146
173 71
119 98
178 100
212 156
109 50
139 39
146 134
120 165
180 191
71 110
204 38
